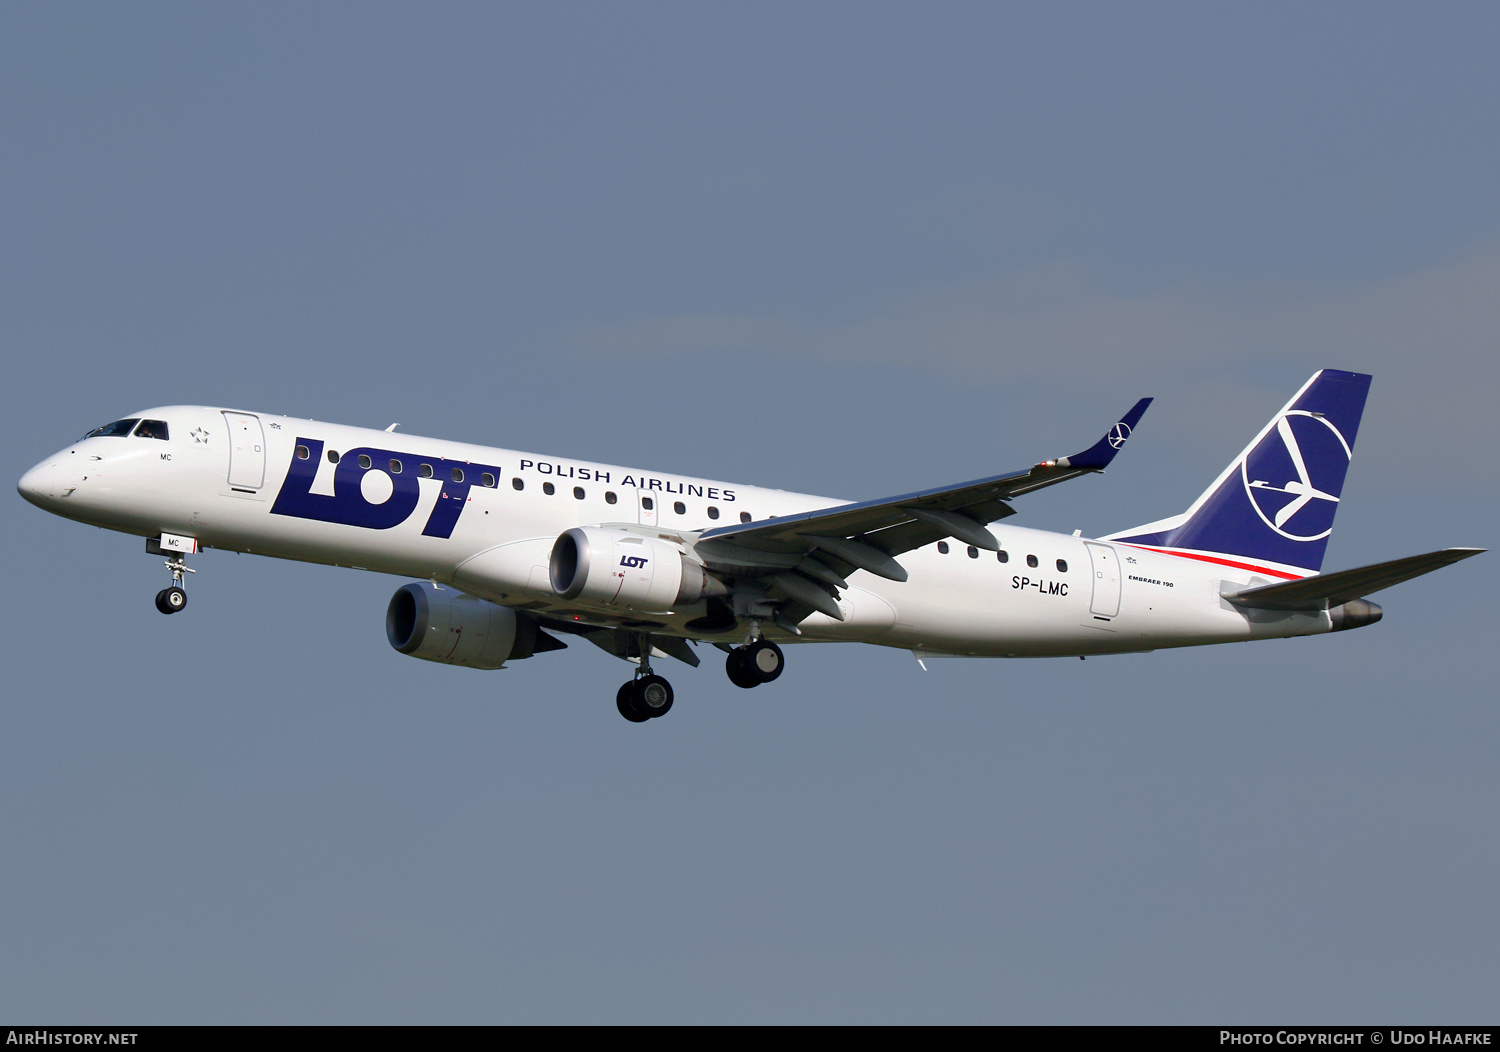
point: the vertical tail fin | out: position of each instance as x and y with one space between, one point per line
1272 509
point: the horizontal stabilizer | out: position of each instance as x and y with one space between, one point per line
1332 589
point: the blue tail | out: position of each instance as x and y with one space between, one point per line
1272 509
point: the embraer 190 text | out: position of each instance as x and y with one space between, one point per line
515 552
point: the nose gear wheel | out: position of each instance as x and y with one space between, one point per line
171 600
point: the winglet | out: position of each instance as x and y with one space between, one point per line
1098 456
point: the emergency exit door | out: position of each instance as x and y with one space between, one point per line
647 507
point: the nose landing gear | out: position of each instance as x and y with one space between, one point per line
170 600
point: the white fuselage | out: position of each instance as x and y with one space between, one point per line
221 473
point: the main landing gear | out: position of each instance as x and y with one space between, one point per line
644 698
754 663
648 695
171 600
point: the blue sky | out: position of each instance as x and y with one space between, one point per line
852 249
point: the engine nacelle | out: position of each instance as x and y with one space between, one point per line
619 569
439 624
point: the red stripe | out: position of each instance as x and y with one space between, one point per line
1223 562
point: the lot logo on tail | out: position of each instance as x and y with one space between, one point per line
1283 489
1274 504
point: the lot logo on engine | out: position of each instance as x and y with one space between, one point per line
349 505
633 560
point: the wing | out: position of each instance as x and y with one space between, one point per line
828 544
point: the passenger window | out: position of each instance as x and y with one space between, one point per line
517 483
152 429
1003 556
425 470
577 492
713 513
458 474
1031 561
1062 566
973 552
487 480
647 503
364 461
119 429
610 498
395 467
679 507
942 547
333 456
303 453
744 516
548 488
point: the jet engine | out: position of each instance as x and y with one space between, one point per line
439 624
620 569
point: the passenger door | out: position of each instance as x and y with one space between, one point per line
1106 569
247 452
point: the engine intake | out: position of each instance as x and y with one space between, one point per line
439 624
619 569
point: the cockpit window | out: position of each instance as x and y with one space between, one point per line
152 429
119 429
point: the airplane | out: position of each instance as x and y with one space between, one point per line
515 553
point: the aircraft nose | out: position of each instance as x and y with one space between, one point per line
39 485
